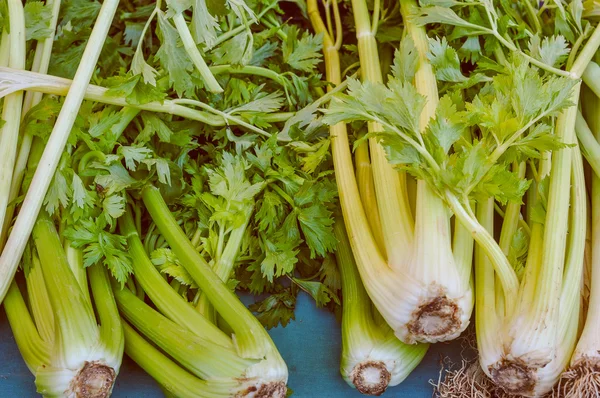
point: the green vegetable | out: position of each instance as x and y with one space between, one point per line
581 377
68 348
372 356
484 128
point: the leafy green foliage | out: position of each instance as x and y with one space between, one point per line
220 179
277 309
99 245
510 115
37 20
302 53
174 58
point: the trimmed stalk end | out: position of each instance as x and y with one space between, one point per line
436 320
94 380
370 378
581 380
514 376
273 389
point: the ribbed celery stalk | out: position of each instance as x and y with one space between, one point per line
39 302
165 298
170 375
34 350
372 356
85 357
200 356
41 60
445 283
582 379
366 187
11 109
393 292
537 338
394 210
534 340
421 291
12 252
251 339
369 259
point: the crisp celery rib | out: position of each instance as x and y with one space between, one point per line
34 350
166 372
11 109
11 255
252 339
111 330
202 357
171 304
74 315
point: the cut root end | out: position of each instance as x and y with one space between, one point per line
580 381
275 389
94 380
514 377
371 378
436 319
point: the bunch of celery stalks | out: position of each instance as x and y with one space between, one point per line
406 281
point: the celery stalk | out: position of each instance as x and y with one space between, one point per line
166 299
251 339
170 375
372 357
15 245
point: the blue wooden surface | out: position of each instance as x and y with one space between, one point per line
310 346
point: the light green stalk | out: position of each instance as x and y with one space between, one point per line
39 301
582 378
252 341
11 255
41 61
11 109
169 374
202 357
34 350
372 357
165 298
83 355
192 50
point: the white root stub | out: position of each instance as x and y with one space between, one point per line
94 380
370 378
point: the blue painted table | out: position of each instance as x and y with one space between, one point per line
310 346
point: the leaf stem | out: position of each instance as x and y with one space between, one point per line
510 282
586 54
192 50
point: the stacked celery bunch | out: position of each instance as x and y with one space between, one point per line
410 165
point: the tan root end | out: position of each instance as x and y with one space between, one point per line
371 378
94 380
275 389
579 381
436 318
514 377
